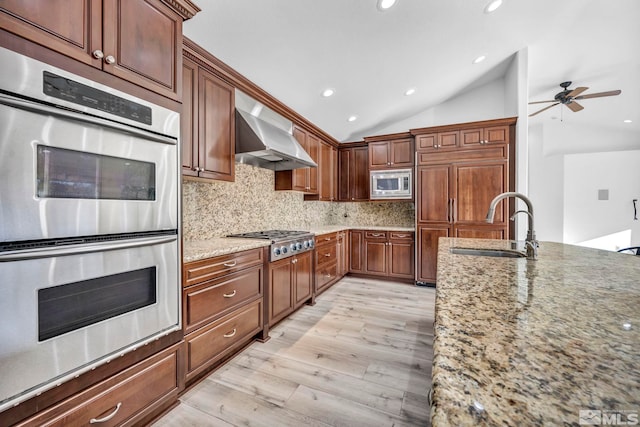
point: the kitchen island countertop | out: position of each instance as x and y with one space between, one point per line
534 342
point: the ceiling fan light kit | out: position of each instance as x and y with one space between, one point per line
568 97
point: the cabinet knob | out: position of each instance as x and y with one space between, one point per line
98 54
109 59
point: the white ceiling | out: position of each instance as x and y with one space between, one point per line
294 49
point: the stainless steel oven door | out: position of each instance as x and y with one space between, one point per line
77 175
65 310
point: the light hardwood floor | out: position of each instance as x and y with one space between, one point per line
360 357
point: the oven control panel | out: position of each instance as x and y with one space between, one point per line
287 248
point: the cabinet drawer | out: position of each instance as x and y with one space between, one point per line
401 235
375 235
216 340
212 299
325 275
122 397
210 268
323 239
326 254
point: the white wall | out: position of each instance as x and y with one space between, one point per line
483 103
586 217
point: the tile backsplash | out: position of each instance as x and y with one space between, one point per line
215 209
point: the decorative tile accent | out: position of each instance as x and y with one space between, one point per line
215 209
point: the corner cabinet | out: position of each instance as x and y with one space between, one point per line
139 41
207 120
460 169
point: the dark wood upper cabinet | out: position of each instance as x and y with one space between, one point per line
394 154
353 179
139 41
484 136
302 179
207 120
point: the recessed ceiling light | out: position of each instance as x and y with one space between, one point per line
492 6
410 91
386 4
328 92
628 121
479 59
352 118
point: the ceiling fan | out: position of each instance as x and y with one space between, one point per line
568 97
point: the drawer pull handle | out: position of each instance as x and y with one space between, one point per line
230 334
377 235
231 295
230 264
108 417
327 255
402 235
327 238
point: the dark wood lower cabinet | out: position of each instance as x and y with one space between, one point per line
132 397
382 253
290 285
427 243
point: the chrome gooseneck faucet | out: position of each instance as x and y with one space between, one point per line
531 244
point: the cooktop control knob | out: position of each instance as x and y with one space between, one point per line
310 243
306 244
284 249
298 246
292 247
277 251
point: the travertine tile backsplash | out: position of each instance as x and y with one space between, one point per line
215 209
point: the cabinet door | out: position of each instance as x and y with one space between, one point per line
300 176
189 118
476 184
303 277
216 127
379 155
427 142
401 153
325 171
375 256
427 243
334 173
471 137
314 151
401 253
72 28
356 251
496 135
345 174
280 290
432 194
144 38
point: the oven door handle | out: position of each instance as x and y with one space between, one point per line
73 115
84 248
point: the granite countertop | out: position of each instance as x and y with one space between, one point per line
193 250
534 342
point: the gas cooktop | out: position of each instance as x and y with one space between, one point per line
284 243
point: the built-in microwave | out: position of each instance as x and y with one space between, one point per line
391 184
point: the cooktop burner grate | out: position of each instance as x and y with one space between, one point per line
284 243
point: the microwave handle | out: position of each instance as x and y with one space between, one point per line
73 115
84 248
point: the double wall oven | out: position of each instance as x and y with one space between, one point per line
89 225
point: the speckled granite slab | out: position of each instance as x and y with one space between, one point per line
193 250
333 228
532 343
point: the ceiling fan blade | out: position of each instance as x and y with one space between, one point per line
545 108
542 102
577 91
574 106
599 94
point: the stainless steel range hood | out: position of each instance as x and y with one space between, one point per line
265 145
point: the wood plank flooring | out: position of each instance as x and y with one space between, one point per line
360 357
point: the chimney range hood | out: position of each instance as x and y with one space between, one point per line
260 143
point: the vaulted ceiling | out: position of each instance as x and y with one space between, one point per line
294 49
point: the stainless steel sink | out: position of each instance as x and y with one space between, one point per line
501 253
